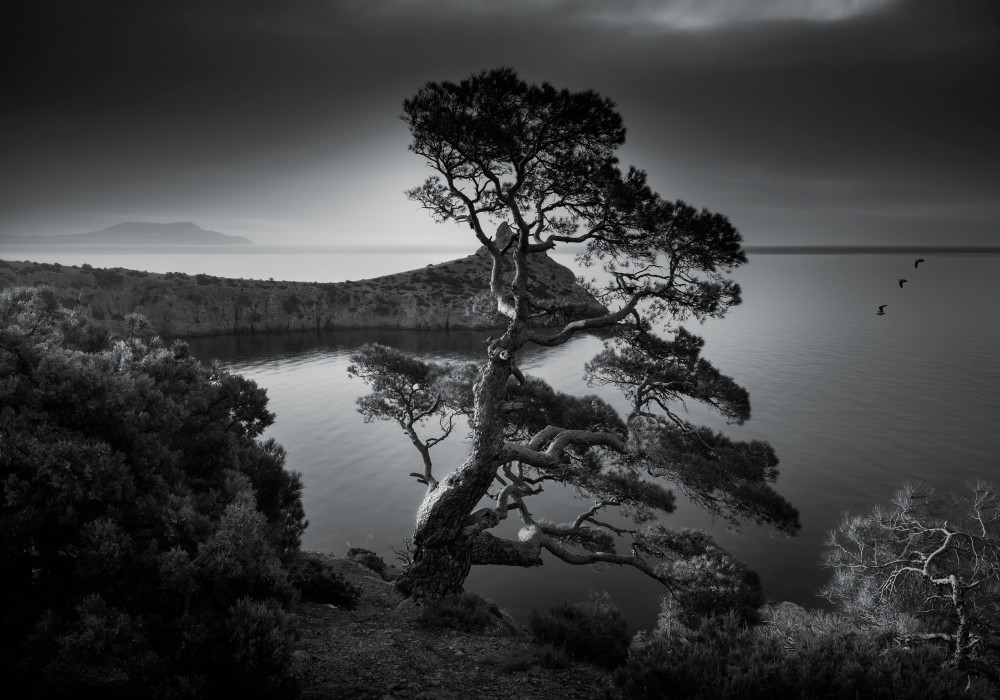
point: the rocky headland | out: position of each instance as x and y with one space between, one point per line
449 295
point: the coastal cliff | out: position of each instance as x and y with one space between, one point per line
450 295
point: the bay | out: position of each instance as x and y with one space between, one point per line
854 403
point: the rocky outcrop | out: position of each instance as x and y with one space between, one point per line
448 295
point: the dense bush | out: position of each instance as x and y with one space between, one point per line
144 526
595 631
724 658
465 612
368 558
291 304
107 278
316 580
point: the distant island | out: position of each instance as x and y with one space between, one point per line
140 233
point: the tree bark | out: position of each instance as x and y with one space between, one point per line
442 552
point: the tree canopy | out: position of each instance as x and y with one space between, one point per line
539 164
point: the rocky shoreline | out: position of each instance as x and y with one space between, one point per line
449 295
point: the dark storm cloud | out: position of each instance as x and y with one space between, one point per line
876 116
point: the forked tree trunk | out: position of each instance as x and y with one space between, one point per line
442 554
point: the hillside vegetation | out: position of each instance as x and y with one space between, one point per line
450 295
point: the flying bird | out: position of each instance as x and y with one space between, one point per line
881 310
918 261
901 280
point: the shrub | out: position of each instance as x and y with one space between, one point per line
465 612
685 662
927 564
144 525
552 657
367 558
546 656
316 580
291 304
263 635
595 631
107 278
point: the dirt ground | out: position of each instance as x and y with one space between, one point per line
378 650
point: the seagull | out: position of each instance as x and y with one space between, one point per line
901 282
881 310
918 261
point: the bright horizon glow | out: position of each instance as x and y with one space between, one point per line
683 15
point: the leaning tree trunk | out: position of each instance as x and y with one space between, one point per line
442 552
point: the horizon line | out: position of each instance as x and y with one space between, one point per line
871 249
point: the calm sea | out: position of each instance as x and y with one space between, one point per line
855 404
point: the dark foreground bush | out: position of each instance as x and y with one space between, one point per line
316 580
595 631
144 526
465 612
723 658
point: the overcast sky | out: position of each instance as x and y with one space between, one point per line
805 121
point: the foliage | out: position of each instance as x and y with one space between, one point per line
314 577
707 582
107 278
144 525
724 658
595 631
541 163
464 611
412 392
928 568
544 655
262 634
369 559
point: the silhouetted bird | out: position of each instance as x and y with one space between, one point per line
918 261
901 280
881 310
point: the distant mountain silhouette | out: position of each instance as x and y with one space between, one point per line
145 233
